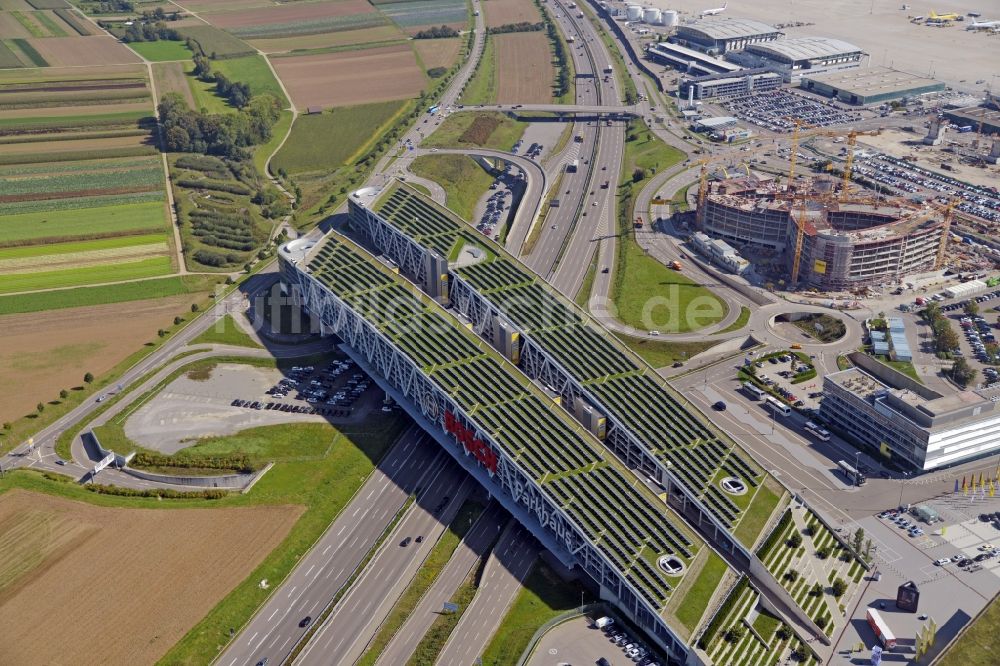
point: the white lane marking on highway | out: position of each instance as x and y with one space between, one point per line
354 540
328 547
233 661
310 569
372 492
273 614
292 591
284 644
318 572
342 528
252 637
356 512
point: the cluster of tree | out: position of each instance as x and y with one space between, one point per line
216 259
141 31
945 337
562 76
237 92
439 32
111 7
962 372
523 26
226 135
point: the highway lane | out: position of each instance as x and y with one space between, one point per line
474 546
274 629
357 616
509 564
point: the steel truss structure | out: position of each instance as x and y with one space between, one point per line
506 479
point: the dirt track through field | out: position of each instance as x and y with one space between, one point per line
44 352
124 584
525 73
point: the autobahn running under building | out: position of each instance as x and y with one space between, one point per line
560 422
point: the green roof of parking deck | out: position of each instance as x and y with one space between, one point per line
671 429
621 517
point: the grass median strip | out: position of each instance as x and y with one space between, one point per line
425 577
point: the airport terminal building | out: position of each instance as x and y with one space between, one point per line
874 85
801 55
881 408
721 35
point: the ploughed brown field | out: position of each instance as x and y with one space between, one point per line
351 77
42 353
438 52
525 74
83 51
290 13
502 12
81 584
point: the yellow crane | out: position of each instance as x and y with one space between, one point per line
800 234
946 232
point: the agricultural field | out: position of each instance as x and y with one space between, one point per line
524 69
212 40
348 78
438 52
79 51
49 573
503 12
162 50
43 352
382 34
326 141
293 19
71 211
173 77
413 15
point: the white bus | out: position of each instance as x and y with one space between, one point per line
755 391
854 476
822 434
778 407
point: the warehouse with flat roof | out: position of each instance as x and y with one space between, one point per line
801 55
721 35
874 85
688 60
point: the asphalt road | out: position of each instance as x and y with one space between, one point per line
357 616
509 564
274 629
474 546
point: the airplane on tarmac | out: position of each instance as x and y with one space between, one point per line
982 25
713 12
943 17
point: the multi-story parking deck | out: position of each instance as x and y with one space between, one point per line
648 425
583 504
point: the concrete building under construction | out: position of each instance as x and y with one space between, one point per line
844 244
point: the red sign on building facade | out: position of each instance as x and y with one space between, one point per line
479 449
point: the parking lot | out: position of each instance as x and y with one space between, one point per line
907 177
580 642
499 201
774 110
978 342
778 373
234 397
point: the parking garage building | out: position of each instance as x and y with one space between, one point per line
874 85
795 57
722 35
729 84
875 405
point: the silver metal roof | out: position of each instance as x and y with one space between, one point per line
804 48
728 28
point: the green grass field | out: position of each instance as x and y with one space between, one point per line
482 87
696 598
72 277
978 645
463 180
740 322
660 353
114 243
136 217
253 71
216 43
162 50
115 293
278 132
482 129
756 515
328 140
226 332
543 596
204 93
94 120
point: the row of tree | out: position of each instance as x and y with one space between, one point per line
440 32
559 52
141 31
523 26
946 339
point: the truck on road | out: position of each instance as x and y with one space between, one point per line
573 166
